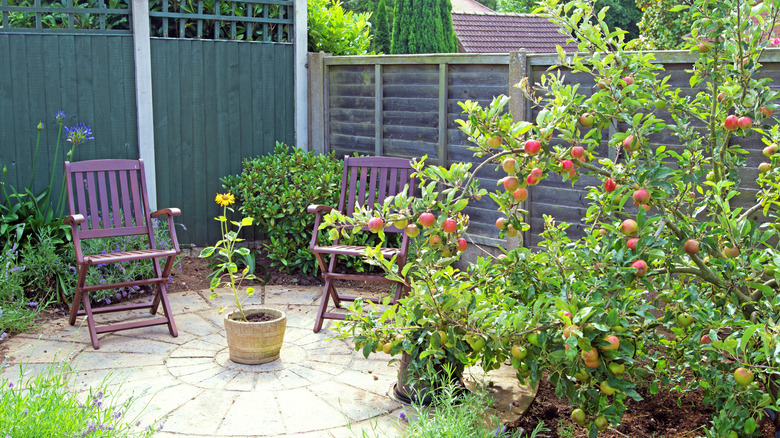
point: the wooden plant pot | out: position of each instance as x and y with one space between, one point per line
254 343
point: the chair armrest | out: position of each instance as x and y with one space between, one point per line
166 211
73 219
314 208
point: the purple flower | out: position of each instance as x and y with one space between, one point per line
60 116
25 412
10 385
118 296
118 415
32 304
107 300
3 336
499 431
99 395
403 417
78 134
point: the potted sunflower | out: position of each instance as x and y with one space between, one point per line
254 335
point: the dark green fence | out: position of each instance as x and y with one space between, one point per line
215 101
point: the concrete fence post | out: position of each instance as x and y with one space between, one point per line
301 76
143 95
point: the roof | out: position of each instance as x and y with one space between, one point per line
469 6
503 33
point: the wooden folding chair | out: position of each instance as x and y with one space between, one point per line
366 181
107 198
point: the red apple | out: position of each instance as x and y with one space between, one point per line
704 48
532 147
412 230
501 223
631 243
640 266
730 252
494 141
567 165
770 150
435 239
520 194
626 81
691 246
578 152
587 120
614 343
509 165
427 219
764 167
744 122
591 355
766 112
645 207
743 376
641 196
629 227
706 340
731 123
536 173
462 244
629 144
449 226
511 183
375 224
610 185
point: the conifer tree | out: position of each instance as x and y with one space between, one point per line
381 29
423 26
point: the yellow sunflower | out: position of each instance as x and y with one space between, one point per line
223 200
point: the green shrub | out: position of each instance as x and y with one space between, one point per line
336 31
276 189
44 405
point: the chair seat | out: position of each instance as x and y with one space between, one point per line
127 256
352 250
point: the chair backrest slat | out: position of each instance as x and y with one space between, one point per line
361 200
393 182
80 188
136 199
128 216
373 176
114 193
382 194
351 185
105 213
92 198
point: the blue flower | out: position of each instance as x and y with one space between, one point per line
403 417
499 431
78 134
32 304
60 116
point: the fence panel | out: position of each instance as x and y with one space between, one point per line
408 112
89 77
215 103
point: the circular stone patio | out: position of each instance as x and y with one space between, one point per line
320 387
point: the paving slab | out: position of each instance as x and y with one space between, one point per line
319 387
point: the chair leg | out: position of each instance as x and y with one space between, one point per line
90 321
164 274
163 294
79 292
326 294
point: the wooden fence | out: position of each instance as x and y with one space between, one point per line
406 106
214 101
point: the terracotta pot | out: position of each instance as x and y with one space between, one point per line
254 343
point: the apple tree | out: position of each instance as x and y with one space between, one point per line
674 284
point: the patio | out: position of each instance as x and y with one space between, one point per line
319 387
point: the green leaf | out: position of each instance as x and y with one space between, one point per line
206 252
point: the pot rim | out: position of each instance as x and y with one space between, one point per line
253 310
